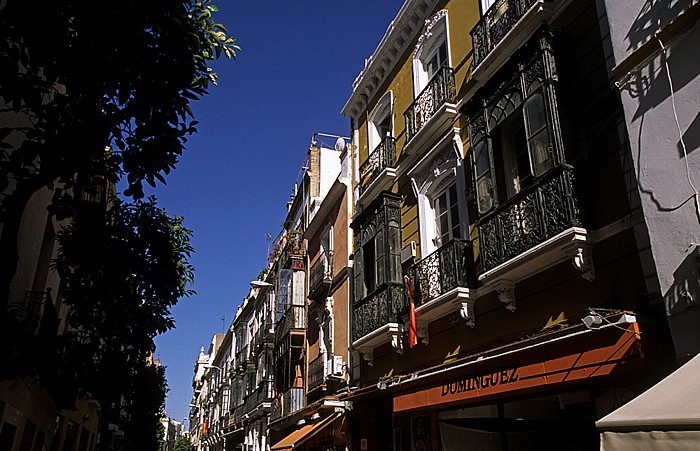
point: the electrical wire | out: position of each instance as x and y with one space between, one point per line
680 130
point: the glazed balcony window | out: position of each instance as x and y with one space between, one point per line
524 187
378 296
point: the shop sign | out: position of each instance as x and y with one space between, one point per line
480 380
558 363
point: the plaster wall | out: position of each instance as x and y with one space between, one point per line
665 153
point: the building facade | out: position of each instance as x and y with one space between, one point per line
506 276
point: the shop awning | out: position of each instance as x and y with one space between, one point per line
673 403
665 417
304 433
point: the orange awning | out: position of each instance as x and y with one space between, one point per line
304 433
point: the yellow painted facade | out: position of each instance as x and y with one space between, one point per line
462 16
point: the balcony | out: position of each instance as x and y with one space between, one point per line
321 276
377 320
378 171
433 111
260 399
287 403
293 246
536 229
294 318
317 372
507 25
443 282
35 314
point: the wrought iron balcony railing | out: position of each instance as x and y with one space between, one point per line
294 245
383 306
262 394
317 372
287 403
294 318
500 18
449 267
321 274
384 156
242 357
439 91
535 215
34 314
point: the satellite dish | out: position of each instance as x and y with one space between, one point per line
339 144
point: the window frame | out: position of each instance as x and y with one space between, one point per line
435 33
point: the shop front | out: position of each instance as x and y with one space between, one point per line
545 392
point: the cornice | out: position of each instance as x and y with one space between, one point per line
410 20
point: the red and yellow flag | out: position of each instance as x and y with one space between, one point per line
412 335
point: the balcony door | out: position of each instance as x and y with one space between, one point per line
432 51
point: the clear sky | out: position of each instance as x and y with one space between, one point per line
291 79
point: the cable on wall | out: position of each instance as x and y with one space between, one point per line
680 130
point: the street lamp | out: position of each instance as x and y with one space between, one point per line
260 284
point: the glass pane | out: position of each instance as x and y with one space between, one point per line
395 255
484 192
535 116
481 158
379 250
539 152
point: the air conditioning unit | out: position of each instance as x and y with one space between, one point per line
338 365
408 252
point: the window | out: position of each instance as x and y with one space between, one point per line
440 187
378 248
432 51
511 142
446 208
437 59
380 121
485 5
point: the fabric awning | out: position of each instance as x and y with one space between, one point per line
304 433
671 403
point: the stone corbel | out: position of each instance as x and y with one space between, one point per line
506 293
583 261
422 332
466 311
368 355
397 340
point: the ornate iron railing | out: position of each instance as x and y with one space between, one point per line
34 314
500 18
294 245
242 356
317 372
321 273
449 267
287 403
263 393
383 156
294 318
535 215
385 305
440 90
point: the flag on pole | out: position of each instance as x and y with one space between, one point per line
412 335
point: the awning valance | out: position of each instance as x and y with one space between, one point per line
304 433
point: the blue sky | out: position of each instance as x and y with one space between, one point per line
291 79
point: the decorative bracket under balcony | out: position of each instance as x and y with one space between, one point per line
459 299
573 243
389 333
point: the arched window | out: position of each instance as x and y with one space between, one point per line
432 51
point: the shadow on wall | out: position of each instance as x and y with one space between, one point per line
654 15
682 302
